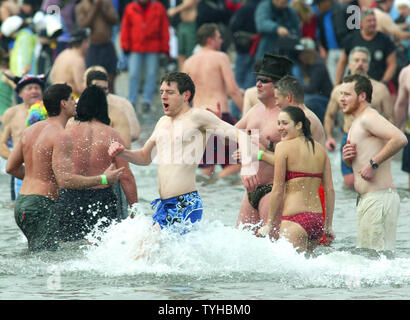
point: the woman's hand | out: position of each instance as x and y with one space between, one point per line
264 231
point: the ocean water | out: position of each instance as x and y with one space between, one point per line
216 261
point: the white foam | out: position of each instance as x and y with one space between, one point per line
214 250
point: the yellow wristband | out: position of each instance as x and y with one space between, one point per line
260 154
104 179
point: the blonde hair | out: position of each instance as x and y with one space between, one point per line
304 12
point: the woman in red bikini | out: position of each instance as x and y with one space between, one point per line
301 164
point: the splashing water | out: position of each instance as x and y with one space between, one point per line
213 250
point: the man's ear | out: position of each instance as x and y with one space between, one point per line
362 96
187 95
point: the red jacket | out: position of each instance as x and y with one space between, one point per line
145 30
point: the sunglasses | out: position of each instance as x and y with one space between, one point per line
263 80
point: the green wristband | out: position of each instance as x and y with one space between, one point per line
104 179
260 154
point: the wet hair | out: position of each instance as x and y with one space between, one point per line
53 95
95 75
93 105
298 115
362 84
183 81
289 84
207 30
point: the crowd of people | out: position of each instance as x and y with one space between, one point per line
258 89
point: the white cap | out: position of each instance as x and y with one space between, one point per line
53 24
11 25
38 20
398 3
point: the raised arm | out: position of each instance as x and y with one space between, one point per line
142 157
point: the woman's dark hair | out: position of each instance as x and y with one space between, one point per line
298 115
52 98
93 105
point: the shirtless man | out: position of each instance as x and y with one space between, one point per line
100 16
371 143
289 92
119 108
264 118
382 101
69 65
81 210
402 112
186 30
43 159
179 139
210 69
29 89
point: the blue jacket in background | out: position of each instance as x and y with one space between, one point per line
267 19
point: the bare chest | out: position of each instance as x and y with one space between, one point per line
264 124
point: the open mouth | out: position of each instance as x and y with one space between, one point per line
166 106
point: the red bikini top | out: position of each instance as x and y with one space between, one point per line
295 174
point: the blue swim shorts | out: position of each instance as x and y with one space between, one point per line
345 168
180 211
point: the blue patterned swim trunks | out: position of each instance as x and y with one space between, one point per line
180 211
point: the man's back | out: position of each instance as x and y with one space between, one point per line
91 142
69 68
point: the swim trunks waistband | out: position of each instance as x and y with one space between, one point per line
255 196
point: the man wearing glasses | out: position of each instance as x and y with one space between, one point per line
263 118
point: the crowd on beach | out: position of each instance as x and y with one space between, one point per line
257 87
